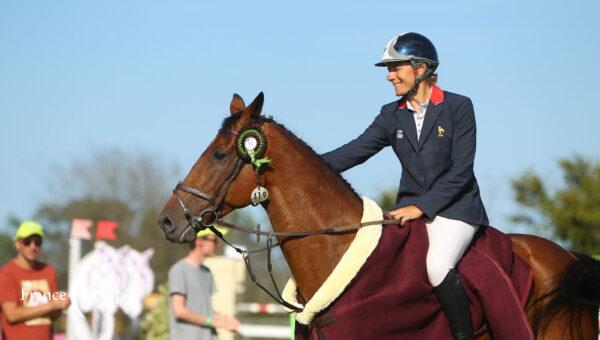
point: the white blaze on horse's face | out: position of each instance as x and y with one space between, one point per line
209 184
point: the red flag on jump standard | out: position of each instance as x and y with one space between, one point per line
106 230
79 229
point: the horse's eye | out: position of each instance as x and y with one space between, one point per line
218 155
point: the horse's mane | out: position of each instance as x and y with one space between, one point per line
228 124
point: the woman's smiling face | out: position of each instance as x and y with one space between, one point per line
402 76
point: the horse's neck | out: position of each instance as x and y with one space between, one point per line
307 195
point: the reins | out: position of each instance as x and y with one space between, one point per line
288 234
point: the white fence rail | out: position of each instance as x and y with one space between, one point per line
263 331
260 308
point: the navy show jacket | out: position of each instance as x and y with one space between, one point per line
437 169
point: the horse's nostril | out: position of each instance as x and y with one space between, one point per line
166 224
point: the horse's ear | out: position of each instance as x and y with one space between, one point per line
252 111
255 108
237 104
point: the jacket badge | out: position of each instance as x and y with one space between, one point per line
440 131
399 134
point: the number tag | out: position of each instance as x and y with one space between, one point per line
259 195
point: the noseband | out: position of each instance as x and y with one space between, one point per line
212 213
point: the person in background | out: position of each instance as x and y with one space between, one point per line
191 286
28 295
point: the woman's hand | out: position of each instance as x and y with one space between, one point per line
406 214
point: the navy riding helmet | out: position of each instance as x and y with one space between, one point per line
412 47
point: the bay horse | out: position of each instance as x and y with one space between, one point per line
304 191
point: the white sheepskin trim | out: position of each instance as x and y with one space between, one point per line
355 257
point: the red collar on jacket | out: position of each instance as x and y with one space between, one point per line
437 96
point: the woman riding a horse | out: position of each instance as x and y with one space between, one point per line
433 134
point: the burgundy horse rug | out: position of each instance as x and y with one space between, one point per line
380 288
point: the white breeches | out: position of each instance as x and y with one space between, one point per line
448 240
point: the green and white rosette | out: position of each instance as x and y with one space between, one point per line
251 145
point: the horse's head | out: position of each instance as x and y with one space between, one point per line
219 182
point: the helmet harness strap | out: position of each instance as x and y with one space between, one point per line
418 79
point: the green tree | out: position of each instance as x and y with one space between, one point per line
570 213
7 248
155 325
387 199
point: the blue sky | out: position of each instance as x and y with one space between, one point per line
158 76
